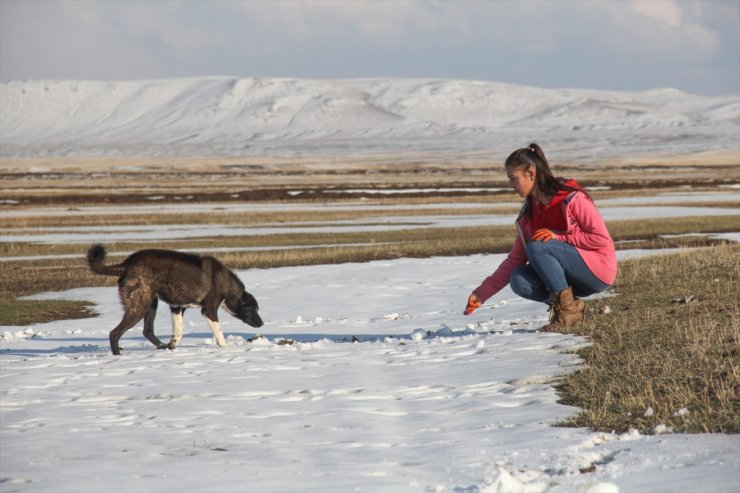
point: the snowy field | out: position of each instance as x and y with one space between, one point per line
368 379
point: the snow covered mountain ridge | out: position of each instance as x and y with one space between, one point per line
232 116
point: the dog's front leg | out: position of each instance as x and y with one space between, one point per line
218 334
177 312
210 311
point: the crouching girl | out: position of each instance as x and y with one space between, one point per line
562 251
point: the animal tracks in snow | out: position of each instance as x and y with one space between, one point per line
412 397
348 398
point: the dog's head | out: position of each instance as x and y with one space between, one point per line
244 308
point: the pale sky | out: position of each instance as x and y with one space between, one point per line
625 45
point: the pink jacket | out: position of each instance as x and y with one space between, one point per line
586 231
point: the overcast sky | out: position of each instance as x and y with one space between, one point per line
693 45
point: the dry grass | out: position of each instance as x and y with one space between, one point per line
648 353
642 233
20 278
69 181
25 278
671 357
239 217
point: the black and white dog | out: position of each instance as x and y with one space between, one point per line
181 280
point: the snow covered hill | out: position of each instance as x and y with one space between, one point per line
232 116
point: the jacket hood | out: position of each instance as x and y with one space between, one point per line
569 186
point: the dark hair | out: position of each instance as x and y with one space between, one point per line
532 155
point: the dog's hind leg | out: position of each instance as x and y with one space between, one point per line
149 325
136 300
130 318
177 312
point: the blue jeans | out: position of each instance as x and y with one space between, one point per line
552 267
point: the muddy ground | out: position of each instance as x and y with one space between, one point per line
119 180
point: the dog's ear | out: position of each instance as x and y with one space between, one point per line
245 308
238 303
233 302
249 300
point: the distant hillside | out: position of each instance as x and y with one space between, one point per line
232 116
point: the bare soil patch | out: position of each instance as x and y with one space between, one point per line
111 180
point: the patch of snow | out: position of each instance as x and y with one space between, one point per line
364 377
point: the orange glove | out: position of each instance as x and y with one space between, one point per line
473 304
543 234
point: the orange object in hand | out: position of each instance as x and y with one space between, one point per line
473 304
543 234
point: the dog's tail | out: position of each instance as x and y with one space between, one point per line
96 261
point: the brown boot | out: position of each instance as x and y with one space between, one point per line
565 311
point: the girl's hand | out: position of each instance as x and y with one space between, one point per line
543 234
473 304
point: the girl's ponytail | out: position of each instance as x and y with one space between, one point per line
533 156
537 150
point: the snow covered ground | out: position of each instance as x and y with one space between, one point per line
369 379
426 400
